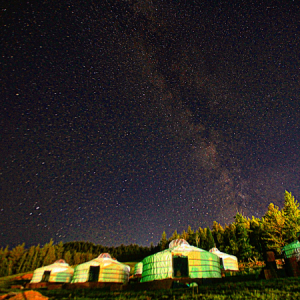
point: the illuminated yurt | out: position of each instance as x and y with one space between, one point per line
292 250
59 271
138 269
101 269
228 262
181 261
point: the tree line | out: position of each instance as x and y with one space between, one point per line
246 238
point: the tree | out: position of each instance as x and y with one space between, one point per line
184 235
4 261
190 236
29 259
256 238
174 236
59 250
230 242
22 263
273 225
15 256
68 257
242 236
197 238
218 233
202 237
291 214
50 256
35 260
210 242
77 258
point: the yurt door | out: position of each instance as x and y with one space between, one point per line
94 273
46 276
180 266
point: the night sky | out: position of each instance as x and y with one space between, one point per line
122 119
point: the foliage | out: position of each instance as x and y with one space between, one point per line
291 215
273 225
163 242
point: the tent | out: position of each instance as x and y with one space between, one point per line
138 269
228 262
292 250
181 261
101 269
59 271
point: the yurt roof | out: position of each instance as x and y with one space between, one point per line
105 260
216 251
179 245
178 242
58 266
104 255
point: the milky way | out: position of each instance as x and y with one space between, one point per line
125 119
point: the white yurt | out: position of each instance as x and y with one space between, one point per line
59 271
101 269
138 269
228 262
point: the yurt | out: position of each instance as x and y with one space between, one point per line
292 250
101 269
59 271
181 261
138 269
228 262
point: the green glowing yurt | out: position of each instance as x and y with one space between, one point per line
292 250
101 269
228 262
59 271
181 261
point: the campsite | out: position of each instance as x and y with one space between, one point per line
244 260
179 272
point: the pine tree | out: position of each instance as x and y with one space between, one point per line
4 261
230 241
50 256
184 235
273 225
35 260
256 238
202 237
291 214
197 238
242 236
28 263
174 236
59 250
22 262
15 256
163 242
68 257
191 236
210 242
218 233
76 258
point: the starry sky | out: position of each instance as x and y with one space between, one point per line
122 119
